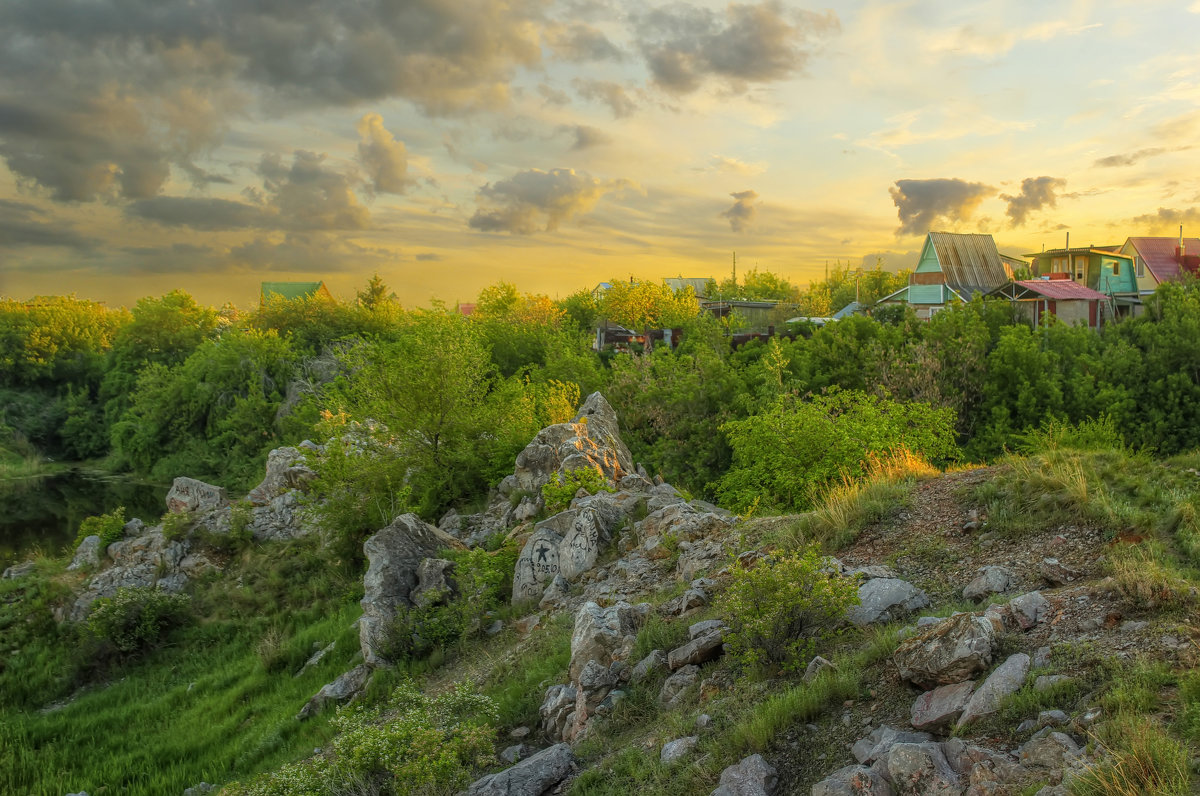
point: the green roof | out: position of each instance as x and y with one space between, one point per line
290 290
925 294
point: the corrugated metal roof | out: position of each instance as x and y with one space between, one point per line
1159 254
290 290
970 262
1060 289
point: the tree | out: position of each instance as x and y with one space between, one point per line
374 294
640 305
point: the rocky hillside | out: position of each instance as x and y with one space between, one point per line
1027 628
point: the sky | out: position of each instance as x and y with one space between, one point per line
210 145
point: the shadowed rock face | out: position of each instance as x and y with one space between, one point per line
394 555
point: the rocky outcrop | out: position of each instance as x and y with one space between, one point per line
87 555
705 640
394 555
533 776
603 635
190 495
566 545
949 652
287 469
18 570
141 562
886 599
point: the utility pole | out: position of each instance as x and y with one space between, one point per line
735 271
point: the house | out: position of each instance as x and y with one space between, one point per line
698 284
1158 260
599 290
291 291
1057 295
1102 268
953 267
753 315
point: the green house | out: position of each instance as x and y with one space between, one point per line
291 291
953 267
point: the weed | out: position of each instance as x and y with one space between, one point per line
1141 758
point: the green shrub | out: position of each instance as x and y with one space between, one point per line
778 610
413 744
560 490
241 514
109 527
137 618
175 526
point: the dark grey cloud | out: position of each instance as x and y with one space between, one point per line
585 136
580 42
611 94
384 158
742 212
1128 158
535 200
306 252
25 225
102 98
307 195
1036 193
199 213
684 45
920 203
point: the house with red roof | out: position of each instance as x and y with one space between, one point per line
1062 297
1158 260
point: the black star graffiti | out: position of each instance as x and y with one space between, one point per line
541 551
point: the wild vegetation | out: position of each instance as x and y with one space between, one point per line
424 410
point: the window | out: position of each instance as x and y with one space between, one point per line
1116 268
1141 267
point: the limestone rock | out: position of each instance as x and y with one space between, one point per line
340 690
602 635
1053 750
1057 573
592 439
921 769
753 776
948 652
990 580
705 644
87 555
558 710
1029 609
286 469
885 599
145 561
815 667
854 781
1007 679
533 776
677 684
942 706
677 749
393 555
434 582
20 570
655 661
188 494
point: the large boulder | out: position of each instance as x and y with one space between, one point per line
591 440
921 769
941 707
394 555
949 652
885 599
343 689
533 776
188 494
705 642
87 555
603 635
1005 681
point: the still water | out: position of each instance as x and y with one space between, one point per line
44 512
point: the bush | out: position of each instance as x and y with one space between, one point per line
560 490
781 608
785 456
137 618
109 527
175 526
413 744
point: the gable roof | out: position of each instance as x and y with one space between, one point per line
1159 254
1056 289
970 262
697 283
292 290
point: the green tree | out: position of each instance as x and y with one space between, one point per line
374 294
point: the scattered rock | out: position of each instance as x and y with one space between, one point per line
87 555
990 580
532 776
286 469
942 706
23 569
753 776
921 769
677 749
705 645
947 653
514 753
655 661
885 599
677 684
1053 750
199 790
558 710
1029 609
315 658
1045 682
340 690
853 781
1057 573
1007 679
815 667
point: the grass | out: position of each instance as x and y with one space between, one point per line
846 508
1141 758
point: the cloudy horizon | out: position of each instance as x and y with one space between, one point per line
211 145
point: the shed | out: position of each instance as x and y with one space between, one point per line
1065 299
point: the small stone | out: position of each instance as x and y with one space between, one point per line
703 721
1052 718
518 733
515 753
1029 609
753 776
1056 573
1005 680
677 749
942 706
815 667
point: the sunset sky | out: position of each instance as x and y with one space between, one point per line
212 144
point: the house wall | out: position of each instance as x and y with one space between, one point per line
1146 283
1115 275
1073 312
